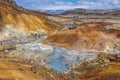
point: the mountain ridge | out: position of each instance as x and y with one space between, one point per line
80 11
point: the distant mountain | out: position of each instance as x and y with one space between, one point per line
53 11
110 12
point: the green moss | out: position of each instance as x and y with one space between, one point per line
44 70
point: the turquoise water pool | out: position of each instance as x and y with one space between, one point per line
58 64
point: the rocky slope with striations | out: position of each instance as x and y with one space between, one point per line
24 20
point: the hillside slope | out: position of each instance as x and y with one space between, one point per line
93 37
23 19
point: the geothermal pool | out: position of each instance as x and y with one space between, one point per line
57 58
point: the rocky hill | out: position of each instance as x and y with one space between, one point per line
93 36
84 12
25 20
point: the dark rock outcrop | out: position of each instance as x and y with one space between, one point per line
10 2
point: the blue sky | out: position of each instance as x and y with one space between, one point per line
68 4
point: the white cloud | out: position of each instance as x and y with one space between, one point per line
64 4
